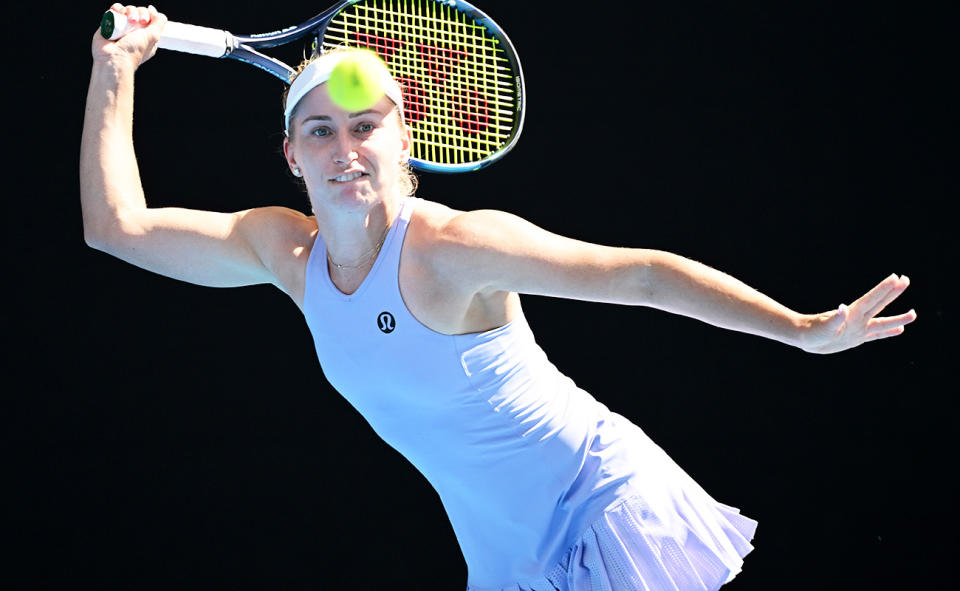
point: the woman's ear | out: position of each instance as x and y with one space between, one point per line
406 143
291 158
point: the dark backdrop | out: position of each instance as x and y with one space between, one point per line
162 435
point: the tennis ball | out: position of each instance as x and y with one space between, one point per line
355 82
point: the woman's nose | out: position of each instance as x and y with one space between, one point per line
346 151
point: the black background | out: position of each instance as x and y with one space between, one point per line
163 435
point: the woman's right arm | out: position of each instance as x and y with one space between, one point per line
202 247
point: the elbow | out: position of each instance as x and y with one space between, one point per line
653 275
626 281
642 279
104 236
97 223
93 238
96 236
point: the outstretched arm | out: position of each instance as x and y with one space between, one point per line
203 247
494 251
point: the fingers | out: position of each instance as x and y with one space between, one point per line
891 322
875 336
156 19
880 296
136 15
891 326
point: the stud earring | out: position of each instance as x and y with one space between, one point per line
296 172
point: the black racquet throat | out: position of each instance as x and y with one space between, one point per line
463 89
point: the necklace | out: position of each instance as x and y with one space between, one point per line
363 259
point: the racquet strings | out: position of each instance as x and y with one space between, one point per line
459 90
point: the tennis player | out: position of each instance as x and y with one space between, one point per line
416 318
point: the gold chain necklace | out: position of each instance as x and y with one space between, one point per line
363 259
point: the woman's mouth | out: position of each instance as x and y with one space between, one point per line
348 176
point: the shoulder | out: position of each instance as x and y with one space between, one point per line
459 247
439 234
443 229
282 238
276 222
276 231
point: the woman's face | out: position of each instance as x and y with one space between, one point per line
347 160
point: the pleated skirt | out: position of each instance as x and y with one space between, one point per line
629 549
670 536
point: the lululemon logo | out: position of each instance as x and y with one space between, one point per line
386 322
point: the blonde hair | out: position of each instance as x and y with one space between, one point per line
408 179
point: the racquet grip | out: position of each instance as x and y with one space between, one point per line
175 36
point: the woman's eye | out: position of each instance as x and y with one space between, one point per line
320 131
365 127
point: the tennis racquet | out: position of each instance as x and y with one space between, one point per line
463 89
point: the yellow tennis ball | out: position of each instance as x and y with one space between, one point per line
355 82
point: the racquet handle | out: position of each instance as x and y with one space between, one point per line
175 36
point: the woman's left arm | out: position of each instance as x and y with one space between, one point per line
494 251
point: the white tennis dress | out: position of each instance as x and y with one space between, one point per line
544 486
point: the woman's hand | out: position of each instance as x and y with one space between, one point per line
853 325
139 44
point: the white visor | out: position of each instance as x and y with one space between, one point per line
318 71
